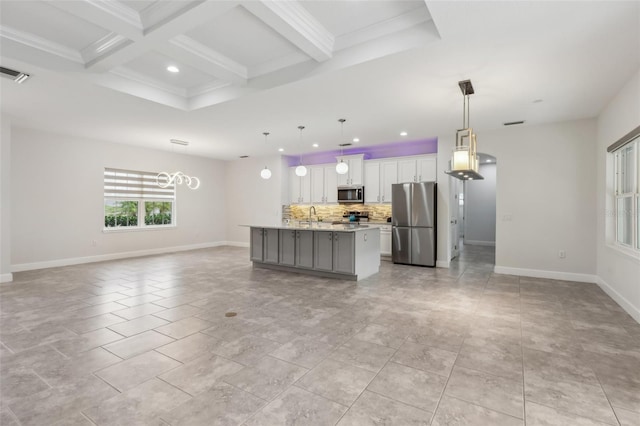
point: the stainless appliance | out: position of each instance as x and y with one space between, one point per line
351 194
413 220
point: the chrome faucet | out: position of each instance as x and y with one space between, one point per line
314 212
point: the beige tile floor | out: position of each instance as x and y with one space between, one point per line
146 341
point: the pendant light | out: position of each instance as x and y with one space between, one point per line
301 170
265 173
342 167
464 161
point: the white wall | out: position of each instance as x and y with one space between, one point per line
619 273
5 198
480 208
545 199
251 200
57 200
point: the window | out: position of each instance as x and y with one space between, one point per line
627 194
133 200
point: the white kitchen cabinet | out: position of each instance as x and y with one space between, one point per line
371 182
417 169
354 175
324 184
299 187
378 178
385 240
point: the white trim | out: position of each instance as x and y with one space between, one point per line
129 74
218 64
40 43
6 278
119 11
480 243
112 256
626 251
619 299
442 263
539 273
236 244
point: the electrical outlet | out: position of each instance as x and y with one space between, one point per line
507 217
562 254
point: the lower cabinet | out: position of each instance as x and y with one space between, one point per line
270 245
323 251
287 247
256 244
385 240
344 249
304 249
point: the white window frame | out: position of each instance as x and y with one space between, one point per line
632 193
142 188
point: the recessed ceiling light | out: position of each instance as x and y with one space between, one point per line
280 149
488 161
173 68
315 145
356 139
403 133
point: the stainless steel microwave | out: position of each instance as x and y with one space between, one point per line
351 194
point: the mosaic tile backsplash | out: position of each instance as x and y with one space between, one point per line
334 212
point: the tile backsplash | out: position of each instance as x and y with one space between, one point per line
334 212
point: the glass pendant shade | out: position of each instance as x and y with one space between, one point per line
265 173
301 171
342 168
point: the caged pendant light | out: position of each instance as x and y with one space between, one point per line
342 167
265 173
301 170
464 161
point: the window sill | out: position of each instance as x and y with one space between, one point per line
137 229
626 251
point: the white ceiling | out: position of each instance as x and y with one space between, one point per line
99 68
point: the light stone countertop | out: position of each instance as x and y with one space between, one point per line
320 226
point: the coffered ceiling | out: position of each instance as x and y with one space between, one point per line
99 68
223 49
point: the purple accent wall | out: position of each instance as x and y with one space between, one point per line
387 150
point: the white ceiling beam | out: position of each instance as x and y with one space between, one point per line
193 15
41 44
190 52
292 21
111 15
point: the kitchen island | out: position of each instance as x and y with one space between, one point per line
342 251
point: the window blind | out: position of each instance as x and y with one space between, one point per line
626 139
119 183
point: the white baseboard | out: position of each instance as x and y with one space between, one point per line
111 256
442 263
480 243
553 275
619 299
236 244
6 278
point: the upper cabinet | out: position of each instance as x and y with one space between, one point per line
299 187
417 169
324 184
378 178
354 176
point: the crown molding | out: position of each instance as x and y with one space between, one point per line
207 87
292 21
40 43
278 64
118 10
224 64
102 46
148 81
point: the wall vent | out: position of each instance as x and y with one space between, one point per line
17 76
513 123
345 144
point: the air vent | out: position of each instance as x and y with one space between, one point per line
345 144
179 142
513 123
17 76
244 156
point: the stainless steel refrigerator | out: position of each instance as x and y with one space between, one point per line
413 219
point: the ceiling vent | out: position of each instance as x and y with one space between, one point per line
345 144
17 76
513 123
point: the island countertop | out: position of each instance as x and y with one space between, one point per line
319 226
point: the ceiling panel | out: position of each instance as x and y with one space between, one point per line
343 17
138 5
50 23
154 65
241 36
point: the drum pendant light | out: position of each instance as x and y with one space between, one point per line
265 173
342 167
301 170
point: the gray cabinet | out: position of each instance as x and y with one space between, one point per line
264 245
270 245
287 247
344 252
256 244
323 251
304 249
